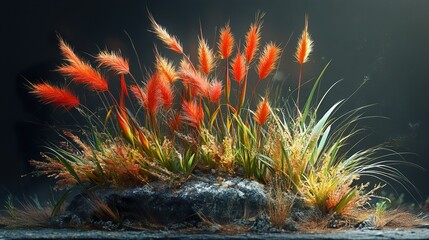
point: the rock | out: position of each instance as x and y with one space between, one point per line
367 224
337 221
219 201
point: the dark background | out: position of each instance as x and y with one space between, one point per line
385 41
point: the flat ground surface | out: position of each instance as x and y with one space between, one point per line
417 233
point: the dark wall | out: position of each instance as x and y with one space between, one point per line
384 41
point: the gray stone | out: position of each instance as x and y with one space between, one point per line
368 223
220 201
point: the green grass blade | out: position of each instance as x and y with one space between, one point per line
65 162
60 203
310 97
345 200
318 128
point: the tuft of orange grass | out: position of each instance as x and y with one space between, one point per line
139 94
166 94
169 40
262 112
305 45
59 97
205 56
303 50
193 79
80 71
175 122
268 60
253 36
238 66
113 61
215 91
67 52
226 42
192 114
153 95
166 69
85 74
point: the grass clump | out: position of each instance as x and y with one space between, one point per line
181 117
28 214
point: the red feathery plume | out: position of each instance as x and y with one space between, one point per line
252 39
113 61
80 71
192 114
175 122
156 94
58 97
262 112
305 45
205 56
193 79
84 74
166 94
238 66
139 94
215 91
226 42
153 99
268 59
166 69
68 52
169 40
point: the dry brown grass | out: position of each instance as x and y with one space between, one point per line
400 218
103 211
30 214
223 228
280 203
396 218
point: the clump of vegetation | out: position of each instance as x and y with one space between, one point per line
30 213
280 203
184 117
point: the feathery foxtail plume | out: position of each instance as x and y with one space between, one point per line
59 97
225 46
253 36
169 40
192 114
303 50
268 60
205 56
114 61
226 42
262 112
238 66
166 68
80 71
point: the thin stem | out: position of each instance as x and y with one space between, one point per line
228 82
254 91
299 87
243 92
